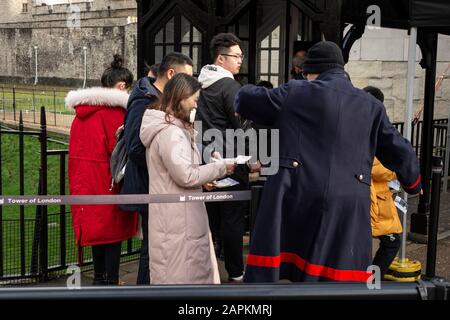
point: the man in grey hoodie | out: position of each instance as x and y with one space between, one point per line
216 111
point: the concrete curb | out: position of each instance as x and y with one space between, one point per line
423 239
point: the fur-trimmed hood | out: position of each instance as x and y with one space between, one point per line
101 97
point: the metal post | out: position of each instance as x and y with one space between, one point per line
43 248
34 263
434 217
410 82
85 66
408 122
34 106
447 155
62 209
22 192
418 138
14 102
36 66
1 208
3 103
129 246
54 105
419 221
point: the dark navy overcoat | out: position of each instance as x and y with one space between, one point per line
313 223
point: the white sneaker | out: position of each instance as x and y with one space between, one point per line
237 279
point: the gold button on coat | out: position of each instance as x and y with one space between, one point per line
295 164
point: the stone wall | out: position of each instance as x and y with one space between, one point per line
11 10
380 59
60 42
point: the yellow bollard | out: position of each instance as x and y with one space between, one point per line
404 271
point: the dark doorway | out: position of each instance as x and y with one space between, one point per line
268 30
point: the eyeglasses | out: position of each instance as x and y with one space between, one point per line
305 75
237 56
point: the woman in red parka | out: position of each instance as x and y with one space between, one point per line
99 113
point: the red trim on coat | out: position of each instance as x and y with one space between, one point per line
414 185
309 268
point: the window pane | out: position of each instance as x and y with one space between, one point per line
275 62
158 54
265 42
276 38
264 62
170 29
185 30
244 47
169 49
243 26
197 36
159 36
301 26
196 58
265 78
274 81
310 28
185 50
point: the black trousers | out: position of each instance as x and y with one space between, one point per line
227 227
143 277
389 246
106 263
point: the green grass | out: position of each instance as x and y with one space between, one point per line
32 98
11 175
11 214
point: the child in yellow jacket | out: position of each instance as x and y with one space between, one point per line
386 225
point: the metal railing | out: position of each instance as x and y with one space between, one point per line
432 289
36 245
15 99
50 252
439 136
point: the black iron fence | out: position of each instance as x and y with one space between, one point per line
38 243
15 99
439 136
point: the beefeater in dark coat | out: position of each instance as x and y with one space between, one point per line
313 223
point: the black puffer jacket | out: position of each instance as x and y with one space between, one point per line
216 109
135 180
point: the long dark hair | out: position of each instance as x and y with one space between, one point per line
180 87
117 73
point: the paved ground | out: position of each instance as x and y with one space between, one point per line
414 251
418 251
59 122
